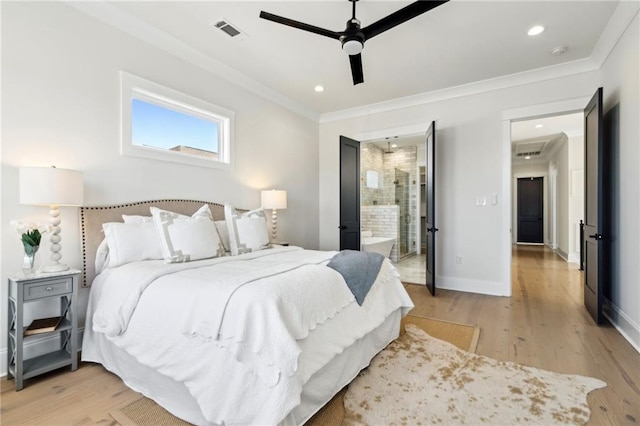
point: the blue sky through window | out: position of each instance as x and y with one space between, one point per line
161 127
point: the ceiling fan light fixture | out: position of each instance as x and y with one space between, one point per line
352 47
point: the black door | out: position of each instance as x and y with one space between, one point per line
349 194
429 233
594 211
530 210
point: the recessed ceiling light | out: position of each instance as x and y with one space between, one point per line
535 30
539 126
527 158
319 88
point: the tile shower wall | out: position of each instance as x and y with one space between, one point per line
372 159
382 221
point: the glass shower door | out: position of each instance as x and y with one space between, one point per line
402 200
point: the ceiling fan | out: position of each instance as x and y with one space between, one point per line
353 37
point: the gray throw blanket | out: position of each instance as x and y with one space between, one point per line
359 269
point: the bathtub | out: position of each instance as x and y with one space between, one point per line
382 245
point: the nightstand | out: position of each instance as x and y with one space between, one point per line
27 288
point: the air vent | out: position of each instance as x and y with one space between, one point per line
528 154
229 29
529 149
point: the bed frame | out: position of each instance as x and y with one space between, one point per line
92 218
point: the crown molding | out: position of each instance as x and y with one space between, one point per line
103 11
111 15
620 20
622 17
482 86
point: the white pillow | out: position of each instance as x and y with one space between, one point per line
247 231
102 256
134 218
223 232
131 242
184 238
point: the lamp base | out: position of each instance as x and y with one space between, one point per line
56 267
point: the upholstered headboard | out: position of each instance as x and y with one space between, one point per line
92 218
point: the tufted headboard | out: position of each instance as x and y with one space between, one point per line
92 218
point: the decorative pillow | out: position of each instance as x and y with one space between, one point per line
184 238
247 231
133 218
223 232
131 242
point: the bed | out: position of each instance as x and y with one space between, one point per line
267 335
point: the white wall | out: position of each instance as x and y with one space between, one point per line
60 105
576 195
469 163
561 162
621 82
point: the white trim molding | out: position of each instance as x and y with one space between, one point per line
492 288
111 15
621 322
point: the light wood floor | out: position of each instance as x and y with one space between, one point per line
543 325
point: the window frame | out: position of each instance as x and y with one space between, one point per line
134 87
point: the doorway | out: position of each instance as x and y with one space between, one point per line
530 204
547 142
547 171
391 195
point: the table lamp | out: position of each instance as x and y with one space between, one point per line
49 186
274 200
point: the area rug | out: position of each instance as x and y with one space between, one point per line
418 379
145 412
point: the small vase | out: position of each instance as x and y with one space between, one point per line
29 258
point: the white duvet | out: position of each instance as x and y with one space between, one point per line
229 328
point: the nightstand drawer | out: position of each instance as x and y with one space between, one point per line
49 288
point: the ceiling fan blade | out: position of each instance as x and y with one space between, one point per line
356 68
403 15
300 25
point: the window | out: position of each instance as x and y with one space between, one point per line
164 124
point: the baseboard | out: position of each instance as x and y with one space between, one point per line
37 347
621 322
574 257
562 254
492 288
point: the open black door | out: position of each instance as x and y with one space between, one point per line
429 233
349 194
595 215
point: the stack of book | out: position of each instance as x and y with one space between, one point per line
43 325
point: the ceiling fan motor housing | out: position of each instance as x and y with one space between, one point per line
353 38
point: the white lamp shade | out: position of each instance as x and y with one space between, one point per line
274 199
50 186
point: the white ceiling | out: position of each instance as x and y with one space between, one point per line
458 43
